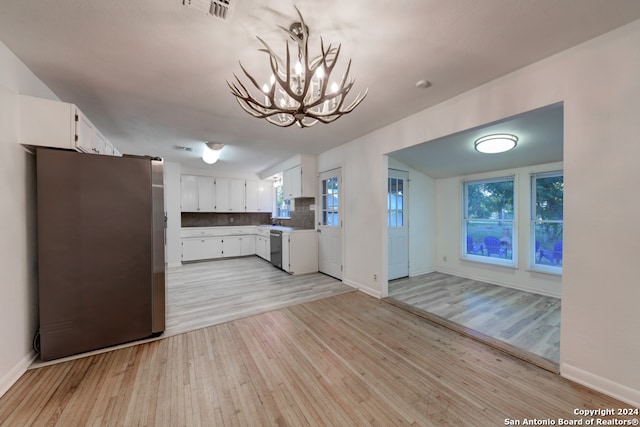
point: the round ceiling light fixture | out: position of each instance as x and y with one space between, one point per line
497 143
211 152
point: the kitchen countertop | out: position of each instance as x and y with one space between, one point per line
283 228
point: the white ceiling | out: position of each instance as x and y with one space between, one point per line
151 74
540 140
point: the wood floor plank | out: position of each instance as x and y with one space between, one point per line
524 320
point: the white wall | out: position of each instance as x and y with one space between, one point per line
18 292
599 85
449 235
172 201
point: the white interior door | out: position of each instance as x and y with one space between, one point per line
397 215
330 224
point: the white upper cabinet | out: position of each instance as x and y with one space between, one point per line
100 143
299 181
230 195
259 196
292 182
197 193
48 123
218 194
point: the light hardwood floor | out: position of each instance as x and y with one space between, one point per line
208 293
522 320
346 360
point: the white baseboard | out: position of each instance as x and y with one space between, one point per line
367 290
11 377
496 282
603 385
421 272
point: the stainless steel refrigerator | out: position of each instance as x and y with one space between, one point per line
101 264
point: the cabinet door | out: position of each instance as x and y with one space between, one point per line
192 249
212 247
197 193
265 196
189 193
230 195
247 245
99 143
236 195
231 246
222 194
85 133
206 193
108 148
292 182
252 203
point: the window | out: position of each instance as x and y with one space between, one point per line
395 202
547 193
330 202
283 206
488 221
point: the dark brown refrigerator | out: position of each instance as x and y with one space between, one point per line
101 263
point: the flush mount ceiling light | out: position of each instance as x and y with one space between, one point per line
498 143
211 152
300 89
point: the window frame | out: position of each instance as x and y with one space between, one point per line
503 262
533 221
287 202
330 202
398 196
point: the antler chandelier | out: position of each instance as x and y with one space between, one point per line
299 90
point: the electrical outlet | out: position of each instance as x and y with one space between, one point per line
230 219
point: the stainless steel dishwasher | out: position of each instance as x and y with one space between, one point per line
275 237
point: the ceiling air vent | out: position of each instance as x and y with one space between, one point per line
222 9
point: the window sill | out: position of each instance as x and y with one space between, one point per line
500 262
553 271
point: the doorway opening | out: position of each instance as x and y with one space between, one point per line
504 298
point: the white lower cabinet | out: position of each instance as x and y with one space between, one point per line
247 245
231 246
263 247
299 247
217 242
201 248
300 252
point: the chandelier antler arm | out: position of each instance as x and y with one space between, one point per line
243 94
267 49
328 65
248 104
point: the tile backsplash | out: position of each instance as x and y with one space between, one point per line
302 216
213 219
